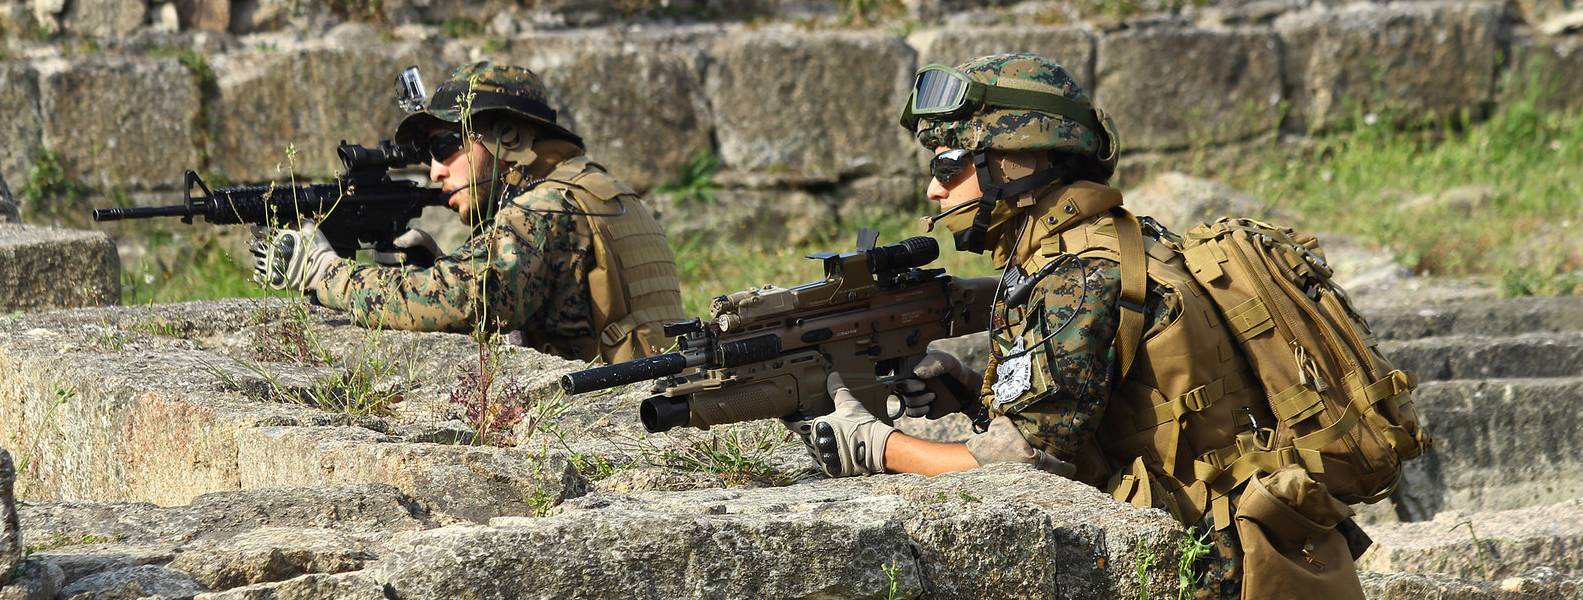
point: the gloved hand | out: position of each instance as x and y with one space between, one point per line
414 247
939 386
291 259
849 441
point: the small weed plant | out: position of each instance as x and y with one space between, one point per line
1143 559
1195 546
695 182
287 334
893 576
739 456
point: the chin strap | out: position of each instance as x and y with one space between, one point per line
973 239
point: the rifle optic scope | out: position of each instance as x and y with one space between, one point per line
386 155
912 252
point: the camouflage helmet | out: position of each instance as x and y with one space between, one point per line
499 91
1074 126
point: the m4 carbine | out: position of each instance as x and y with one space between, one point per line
362 208
766 352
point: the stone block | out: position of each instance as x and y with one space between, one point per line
342 586
270 554
134 582
1508 316
147 534
1499 445
1541 583
311 97
120 122
1072 47
1180 201
467 482
1508 543
1484 357
823 538
213 15
56 268
811 107
104 18
21 126
253 16
639 105
1415 61
36 580
870 199
1218 86
77 561
1549 69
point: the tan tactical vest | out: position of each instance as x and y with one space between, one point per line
1188 393
633 282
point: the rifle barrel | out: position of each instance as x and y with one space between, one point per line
117 214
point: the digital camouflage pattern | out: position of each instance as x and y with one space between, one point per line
527 269
1014 129
449 101
1073 374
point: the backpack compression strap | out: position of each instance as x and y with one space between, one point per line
1134 282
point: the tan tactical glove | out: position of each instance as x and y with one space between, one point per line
939 386
414 247
291 259
849 441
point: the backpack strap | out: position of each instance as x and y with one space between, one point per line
1134 283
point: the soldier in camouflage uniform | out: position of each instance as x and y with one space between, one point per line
562 254
1021 161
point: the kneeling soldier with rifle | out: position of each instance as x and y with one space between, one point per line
563 255
1135 360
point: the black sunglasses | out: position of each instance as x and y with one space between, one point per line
444 145
946 166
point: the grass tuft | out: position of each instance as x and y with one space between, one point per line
1494 198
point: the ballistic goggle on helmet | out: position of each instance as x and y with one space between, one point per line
1008 102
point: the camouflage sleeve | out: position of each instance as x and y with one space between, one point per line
1071 373
500 276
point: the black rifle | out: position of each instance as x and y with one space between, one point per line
362 208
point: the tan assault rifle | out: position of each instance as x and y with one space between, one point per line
764 353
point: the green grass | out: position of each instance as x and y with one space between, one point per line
1522 228
209 272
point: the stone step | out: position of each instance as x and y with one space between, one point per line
1525 337
1508 316
1487 546
42 267
1499 444
1538 584
99 408
1483 357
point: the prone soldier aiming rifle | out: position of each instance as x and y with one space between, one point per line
766 352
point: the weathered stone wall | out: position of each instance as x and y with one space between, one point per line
789 110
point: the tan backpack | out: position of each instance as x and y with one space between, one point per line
1341 408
